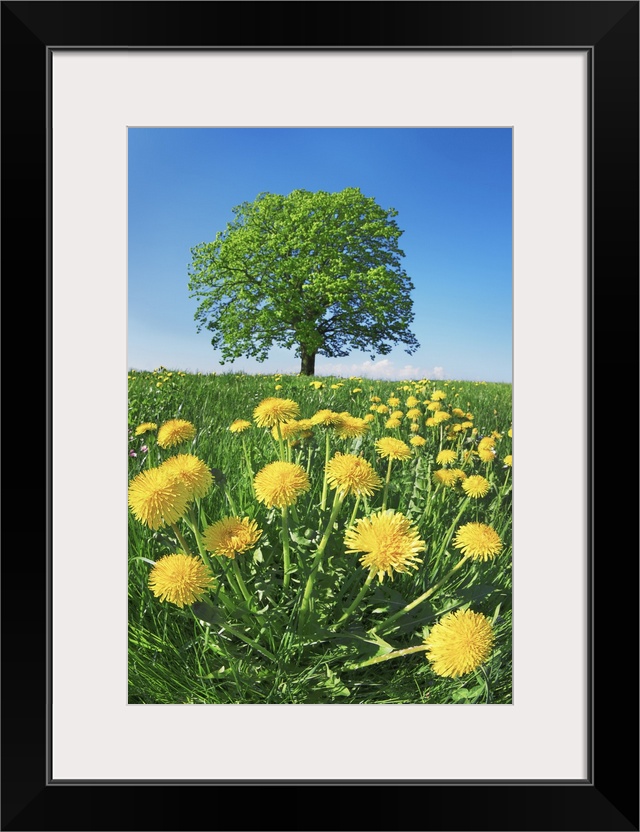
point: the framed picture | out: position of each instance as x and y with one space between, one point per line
81 757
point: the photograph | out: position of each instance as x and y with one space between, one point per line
320 415
303 270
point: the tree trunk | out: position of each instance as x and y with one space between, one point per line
308 363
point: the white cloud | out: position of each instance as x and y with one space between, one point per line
437 373
384 368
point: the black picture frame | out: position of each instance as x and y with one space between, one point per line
608 798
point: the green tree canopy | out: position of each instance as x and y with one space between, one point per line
315 271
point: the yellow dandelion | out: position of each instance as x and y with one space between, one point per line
460 642
392 422
328 418
476 486
508 460
441 416
444 476
393 401
382 408
486 454
278 387
357 390
417 441
351 474
458 412
486 442
414 413
157 498
478 541
376 399
145 427
288 430
174 432
510 433
434 407
191 471
280 484
446 457
351 426
317 385
272 410
231 535
392 448
438 395
180 579
414 427
389 542
412 402
369 417
239 425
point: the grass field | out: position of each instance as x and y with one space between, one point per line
293 617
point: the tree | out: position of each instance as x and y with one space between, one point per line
315 271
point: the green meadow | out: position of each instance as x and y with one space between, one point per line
302 611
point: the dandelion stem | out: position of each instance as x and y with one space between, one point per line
280 442
248 460
241 583
196 533
425 595
181 540
285 546
231 502
317 560
387 656
325 482
354 512
358 597
386 484
248 641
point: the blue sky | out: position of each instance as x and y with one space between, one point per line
452 189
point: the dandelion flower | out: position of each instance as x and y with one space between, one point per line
145 427
411 402
273 410
508 460
438 395
231 535
417 441
288 430
478 541
382 408
487 442
441 416
157 499
430 422
174 432
280 484
446 457
392 448
444 476
191 471
239 425
434 407
460 642
414 413
414 427
486 454
329 418
376 399
393 401
357 390
351 426
316 385
180 579
458 412
389 542
476 486
369 417
351 474
392 422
